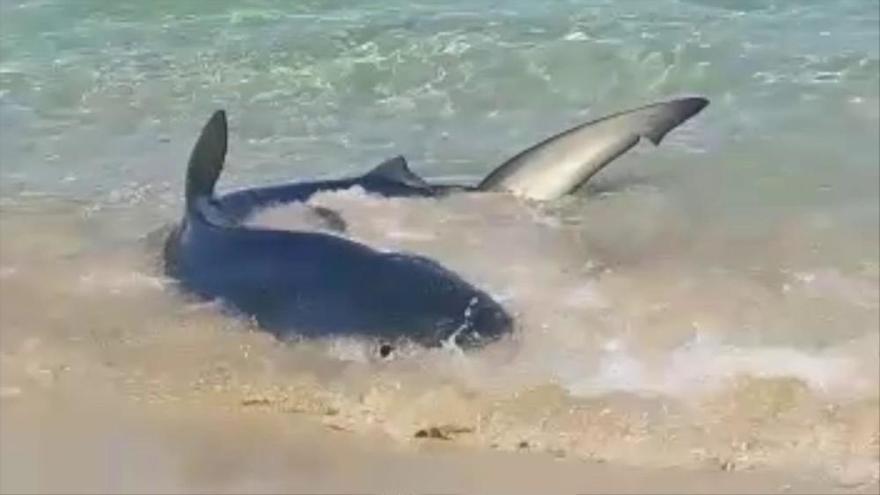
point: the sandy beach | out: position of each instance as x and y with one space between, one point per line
702 316
89 443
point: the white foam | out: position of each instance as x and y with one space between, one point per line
707 363
831 283
670 328
119 282
699 367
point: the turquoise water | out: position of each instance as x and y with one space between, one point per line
745 247
96 95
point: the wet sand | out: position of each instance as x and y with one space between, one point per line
65 440
111 381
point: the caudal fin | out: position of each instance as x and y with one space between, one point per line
206 160
564 162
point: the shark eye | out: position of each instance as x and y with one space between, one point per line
385 350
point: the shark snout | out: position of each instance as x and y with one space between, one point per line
487 321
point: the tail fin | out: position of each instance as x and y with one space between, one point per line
562 163
206 160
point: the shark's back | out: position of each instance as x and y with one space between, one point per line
316 284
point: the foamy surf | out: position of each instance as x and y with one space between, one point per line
710 305
672 351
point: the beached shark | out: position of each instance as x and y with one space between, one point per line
318 284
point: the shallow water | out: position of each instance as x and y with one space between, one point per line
711 302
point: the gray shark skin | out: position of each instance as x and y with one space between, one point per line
564 162
314 284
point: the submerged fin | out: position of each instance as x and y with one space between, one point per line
396 170
562 163
329 219
206 160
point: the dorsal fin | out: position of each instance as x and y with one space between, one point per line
206 160
396 170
